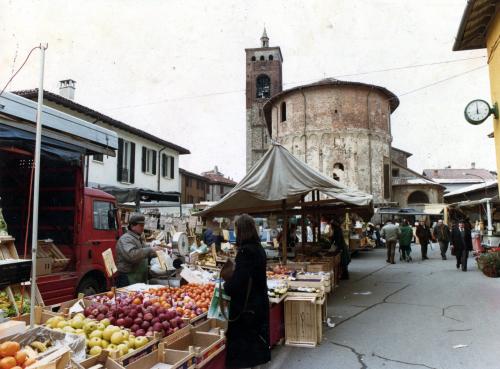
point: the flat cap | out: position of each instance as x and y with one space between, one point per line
136 218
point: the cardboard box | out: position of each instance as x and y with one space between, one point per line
102 359
214 326
11 327
58 359
44 266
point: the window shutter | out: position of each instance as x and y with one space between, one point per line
172 169
163 165
132 162
144 158
119 164
154 162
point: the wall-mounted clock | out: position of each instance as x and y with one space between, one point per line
477 111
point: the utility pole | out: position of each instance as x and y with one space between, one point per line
36 184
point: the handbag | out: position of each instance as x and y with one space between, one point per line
219 305
452 250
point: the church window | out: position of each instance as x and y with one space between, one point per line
262 58
263 87
339 166
271 57
283 111
395 172
253 58
336 177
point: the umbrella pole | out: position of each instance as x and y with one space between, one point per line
285 232
303 224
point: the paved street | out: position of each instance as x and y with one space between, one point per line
406 316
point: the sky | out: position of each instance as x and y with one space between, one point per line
176 68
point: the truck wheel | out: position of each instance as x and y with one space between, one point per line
89 286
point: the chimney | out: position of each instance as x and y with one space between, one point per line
473 165
67 88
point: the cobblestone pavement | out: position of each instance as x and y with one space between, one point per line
425 314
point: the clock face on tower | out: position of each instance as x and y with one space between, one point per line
477 111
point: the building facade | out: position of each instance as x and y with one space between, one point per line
142 161
342 129
194 187
219 185
480 29
263 80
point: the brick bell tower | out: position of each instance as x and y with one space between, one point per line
264 79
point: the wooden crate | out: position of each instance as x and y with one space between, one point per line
8 248
303 320
47 249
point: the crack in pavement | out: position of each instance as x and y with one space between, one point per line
402 362
459 330
353 350
370 274
443 313
384 301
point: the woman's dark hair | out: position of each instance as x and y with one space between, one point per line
246 231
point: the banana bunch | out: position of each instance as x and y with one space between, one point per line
40 346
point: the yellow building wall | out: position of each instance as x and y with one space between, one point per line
493 47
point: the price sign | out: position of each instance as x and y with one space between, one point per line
109 263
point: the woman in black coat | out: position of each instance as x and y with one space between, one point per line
248 329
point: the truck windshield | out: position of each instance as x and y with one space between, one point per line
104 216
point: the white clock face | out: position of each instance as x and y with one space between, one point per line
477 110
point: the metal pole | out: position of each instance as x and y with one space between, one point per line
36 185
488 215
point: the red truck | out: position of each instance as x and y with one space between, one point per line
82 222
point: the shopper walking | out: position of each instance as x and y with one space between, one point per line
248 326
461 241
405 238
390 233
442 235
133 253
424 237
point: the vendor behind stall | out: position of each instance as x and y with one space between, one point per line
133 253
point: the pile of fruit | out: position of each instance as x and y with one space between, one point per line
12 357
164 310
8 307
278 272
98 335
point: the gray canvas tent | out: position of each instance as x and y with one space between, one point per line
281 180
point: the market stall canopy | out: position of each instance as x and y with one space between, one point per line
20 113
279 176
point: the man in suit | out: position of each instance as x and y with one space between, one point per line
461 241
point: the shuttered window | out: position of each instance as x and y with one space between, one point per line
125 161
148 161
167 166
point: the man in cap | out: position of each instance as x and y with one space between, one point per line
133 253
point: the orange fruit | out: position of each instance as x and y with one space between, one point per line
9 348
21 357
8 362
29 362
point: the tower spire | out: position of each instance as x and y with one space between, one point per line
264 39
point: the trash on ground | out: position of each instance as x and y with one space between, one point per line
459 346
363 293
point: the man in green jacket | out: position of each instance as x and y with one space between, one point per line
405 238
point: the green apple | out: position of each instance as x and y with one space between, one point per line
97 333
117 338
111 347
89 327
131 341
101 326
122 348
79 316
61 324
95 342
69 329
106 322
104 344
108 332
96 350
126 334
140 341
130 350
76 323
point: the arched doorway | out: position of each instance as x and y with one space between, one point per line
418 197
